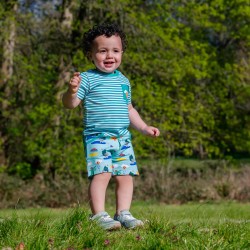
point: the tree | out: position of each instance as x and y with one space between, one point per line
188 63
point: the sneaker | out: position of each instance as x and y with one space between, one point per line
127 220
105 221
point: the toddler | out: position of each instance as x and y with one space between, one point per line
105 94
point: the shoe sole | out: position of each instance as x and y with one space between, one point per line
139 225
115 227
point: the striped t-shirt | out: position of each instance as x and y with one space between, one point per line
105 98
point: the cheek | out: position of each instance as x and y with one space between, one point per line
98 58
119 58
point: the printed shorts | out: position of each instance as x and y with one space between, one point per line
110 154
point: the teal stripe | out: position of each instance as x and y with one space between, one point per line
105 105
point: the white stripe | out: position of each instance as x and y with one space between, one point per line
104 101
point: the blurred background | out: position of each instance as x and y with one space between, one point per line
188 64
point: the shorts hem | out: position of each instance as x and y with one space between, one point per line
113 175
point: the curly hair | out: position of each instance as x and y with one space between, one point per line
107 29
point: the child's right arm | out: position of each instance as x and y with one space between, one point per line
70 99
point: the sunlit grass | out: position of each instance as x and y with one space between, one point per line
190 226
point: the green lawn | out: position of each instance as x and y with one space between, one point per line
190 226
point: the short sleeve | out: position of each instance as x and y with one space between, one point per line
84 86
129 94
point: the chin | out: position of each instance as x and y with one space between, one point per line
106 70
109 70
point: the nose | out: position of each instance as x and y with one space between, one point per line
110 54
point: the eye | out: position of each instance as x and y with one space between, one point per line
117 51
102 51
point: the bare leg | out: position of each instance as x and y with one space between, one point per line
124 192
97 191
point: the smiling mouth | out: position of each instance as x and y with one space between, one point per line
109 63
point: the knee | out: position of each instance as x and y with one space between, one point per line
103 177
126 179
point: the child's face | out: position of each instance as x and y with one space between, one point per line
106 53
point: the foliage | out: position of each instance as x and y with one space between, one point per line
172 182
188 63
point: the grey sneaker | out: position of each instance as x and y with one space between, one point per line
127 220
105 221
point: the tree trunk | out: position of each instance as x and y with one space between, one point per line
66 28
8 47
7 73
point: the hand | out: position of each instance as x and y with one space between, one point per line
74 83
151 131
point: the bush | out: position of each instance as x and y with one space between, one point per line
162 181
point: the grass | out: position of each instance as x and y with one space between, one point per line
189 226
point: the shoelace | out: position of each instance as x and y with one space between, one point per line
128 217
106 218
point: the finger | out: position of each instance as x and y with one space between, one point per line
77 79
151 132
74 85
74 80
77 73
156 132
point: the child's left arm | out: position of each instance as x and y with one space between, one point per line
137 123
